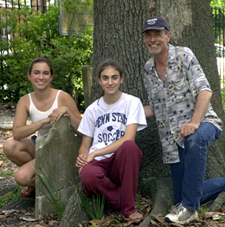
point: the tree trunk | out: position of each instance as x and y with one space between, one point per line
117 35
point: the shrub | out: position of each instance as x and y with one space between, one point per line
37 34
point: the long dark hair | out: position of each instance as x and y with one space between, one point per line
41 59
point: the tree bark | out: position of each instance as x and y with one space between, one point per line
117 35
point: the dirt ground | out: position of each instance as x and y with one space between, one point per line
24 216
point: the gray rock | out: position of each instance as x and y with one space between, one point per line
219 202
55 163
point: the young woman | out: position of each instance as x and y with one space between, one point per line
109 165
45 106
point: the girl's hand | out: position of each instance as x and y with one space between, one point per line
81 161
91 157
79 169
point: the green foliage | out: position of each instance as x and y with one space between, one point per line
52 194
93 208
9 196
6 174
223 98
3 156
37 34
148 180
218 13
2 172
75 5
218 3
203 209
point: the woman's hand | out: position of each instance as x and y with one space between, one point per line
46 120
57 113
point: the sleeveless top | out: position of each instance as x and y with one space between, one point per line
37 115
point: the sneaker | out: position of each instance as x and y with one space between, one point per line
181 215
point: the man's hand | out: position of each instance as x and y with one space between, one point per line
188 129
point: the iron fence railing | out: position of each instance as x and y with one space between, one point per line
218 16
219 31
38 5
5 37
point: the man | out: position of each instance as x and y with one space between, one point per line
179 97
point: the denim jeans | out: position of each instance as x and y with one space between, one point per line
189 185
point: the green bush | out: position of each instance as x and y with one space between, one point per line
37 34
223 98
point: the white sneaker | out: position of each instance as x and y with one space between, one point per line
181 215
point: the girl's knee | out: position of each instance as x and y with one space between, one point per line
91 176
129 147
24 176
8 147
21 178
129 143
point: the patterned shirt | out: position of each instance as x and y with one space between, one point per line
173 100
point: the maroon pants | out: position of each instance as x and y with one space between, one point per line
115 177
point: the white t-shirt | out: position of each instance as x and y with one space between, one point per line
107 123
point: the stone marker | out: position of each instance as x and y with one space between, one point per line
56 158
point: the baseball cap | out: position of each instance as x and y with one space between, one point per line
155 23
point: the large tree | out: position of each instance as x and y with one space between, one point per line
117 35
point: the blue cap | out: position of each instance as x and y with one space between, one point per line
155 23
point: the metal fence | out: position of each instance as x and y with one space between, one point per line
37 5
6 37
219 31
41 6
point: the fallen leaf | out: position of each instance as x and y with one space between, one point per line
29 219
215 217
8 211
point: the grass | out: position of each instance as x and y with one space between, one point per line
93 207
10 195
5 173
52 194
203 209
3 157
223 98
